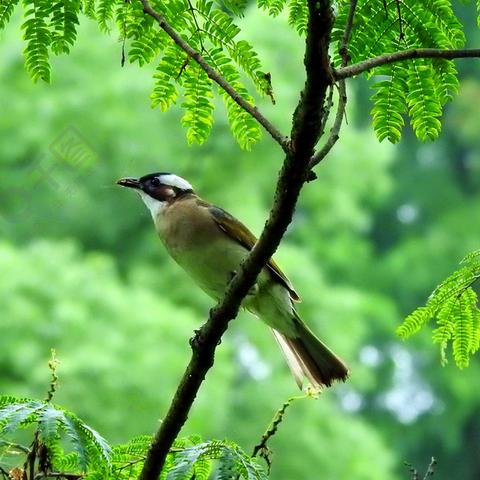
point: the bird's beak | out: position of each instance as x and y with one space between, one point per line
129 182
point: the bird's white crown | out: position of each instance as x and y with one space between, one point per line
175 181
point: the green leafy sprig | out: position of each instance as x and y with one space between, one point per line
454 306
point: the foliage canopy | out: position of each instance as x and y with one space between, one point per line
417 89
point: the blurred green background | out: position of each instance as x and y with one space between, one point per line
82 271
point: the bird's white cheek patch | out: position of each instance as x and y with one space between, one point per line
155 206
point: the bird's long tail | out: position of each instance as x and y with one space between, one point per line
308 357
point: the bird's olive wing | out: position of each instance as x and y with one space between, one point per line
240 233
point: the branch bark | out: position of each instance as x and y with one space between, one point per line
365 65
294 172
216 77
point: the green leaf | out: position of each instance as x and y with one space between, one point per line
446 79
244 127
233 462
422 85
16 415
390 104
298 15
38 38
273 7
236 7
183 464
89 446
414 322
462 334
64 22
49 420
198 105
167 74
445 326
424 106
88 8
104 14
6 10
454 306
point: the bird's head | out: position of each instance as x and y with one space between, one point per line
157 190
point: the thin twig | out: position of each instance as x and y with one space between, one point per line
401 35
197 26
305 132
262 448
65 475
347 33
335 130
342 91
216 77
52 365
365 65
328 108
129 464
413 472
431 469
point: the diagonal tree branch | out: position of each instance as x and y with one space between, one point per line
365 65
216 77
294 172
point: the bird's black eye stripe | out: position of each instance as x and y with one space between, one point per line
155 182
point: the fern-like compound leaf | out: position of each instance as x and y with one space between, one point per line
85 444
38 38
390 104
167 74
16 415
298 15
427 84
463 332
273 7
88 8
235 7
445 79
414 322
104 14
63 24
6 10
454 306
49 421
472 257
233 462
424 106
445 326
198 105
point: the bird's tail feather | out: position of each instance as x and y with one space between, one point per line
308 357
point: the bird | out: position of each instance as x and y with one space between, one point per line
210 244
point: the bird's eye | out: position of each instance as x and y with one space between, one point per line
155 182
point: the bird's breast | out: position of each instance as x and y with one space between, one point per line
210 264
197 244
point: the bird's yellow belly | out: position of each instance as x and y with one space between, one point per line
210 266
